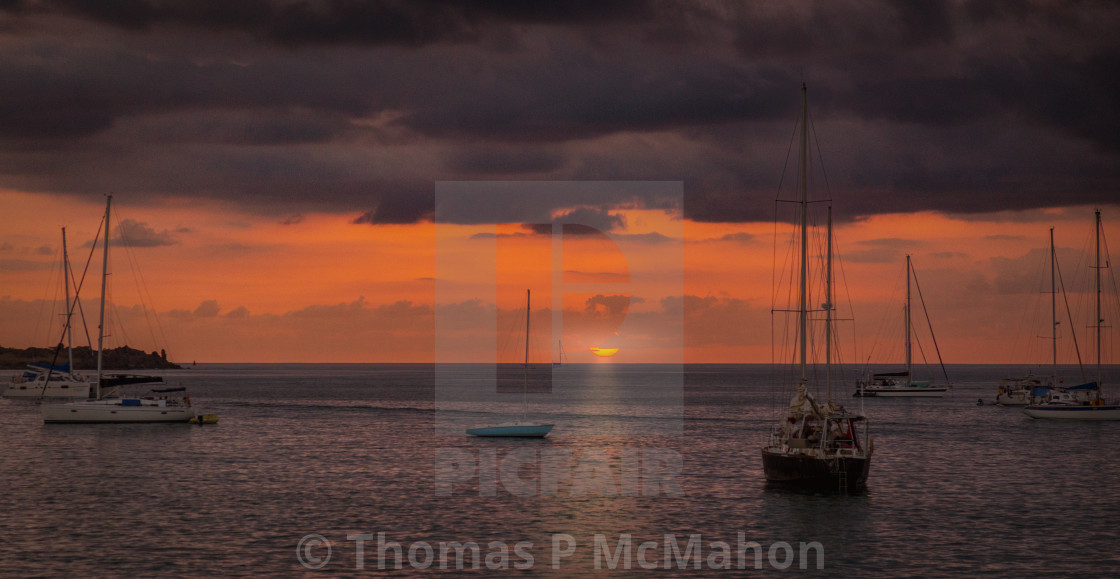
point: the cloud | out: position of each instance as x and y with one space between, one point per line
342 332
611 305
720 321
207 309
582 221
14 265
738 237
238 312
234 248
595 276
504 160
651 237
489 235
537 202
138 234
374 22
398 209
356 107
882 250
1030 272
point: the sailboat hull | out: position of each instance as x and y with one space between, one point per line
813 473
114 411
902 392
513 430
1058 412
62 390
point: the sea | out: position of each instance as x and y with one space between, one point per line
359 469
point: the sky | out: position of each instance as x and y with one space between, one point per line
289 174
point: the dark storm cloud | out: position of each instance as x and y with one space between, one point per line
532 202
289 106
573 97
74 92
488 160
395 207
369 22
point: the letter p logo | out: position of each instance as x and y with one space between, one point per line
544 289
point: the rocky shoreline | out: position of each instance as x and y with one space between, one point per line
123 358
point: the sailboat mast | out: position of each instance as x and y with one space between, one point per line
1099 320
906 317
828 312
66 284
525 383
104 278
804 226
1053 312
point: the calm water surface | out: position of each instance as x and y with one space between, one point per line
955 488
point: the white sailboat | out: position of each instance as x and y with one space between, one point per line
1081 402
902 384
521 428
1017 391
106 406
50 380
46 381
818 446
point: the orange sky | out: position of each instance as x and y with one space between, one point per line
232 287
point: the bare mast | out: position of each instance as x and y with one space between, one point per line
104 278
828 312
525 383
1099 320
906 318
1053 313
804 227
66 284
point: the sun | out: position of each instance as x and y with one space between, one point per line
603 352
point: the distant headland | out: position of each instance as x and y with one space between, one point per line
85 358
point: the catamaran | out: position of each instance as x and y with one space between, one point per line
107 405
